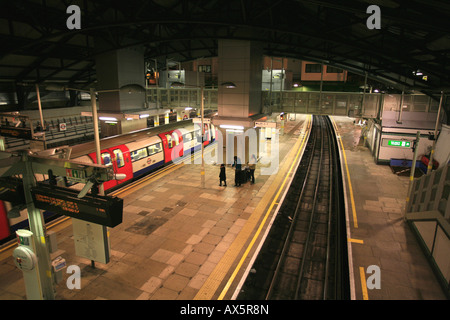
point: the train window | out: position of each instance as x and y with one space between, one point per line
176 138
169 140
138 154
187 137
106 159
154 148
119 158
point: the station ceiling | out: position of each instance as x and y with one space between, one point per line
37 46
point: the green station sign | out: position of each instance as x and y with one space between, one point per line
399 143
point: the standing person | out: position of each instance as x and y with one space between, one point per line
252 167
237 174
222 175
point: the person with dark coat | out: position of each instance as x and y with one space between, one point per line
252 167
237 174
222 175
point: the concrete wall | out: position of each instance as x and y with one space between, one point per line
240 62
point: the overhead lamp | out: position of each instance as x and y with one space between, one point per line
132 88
228 85
108 118
144 115
188 108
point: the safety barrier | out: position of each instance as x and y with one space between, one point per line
428 214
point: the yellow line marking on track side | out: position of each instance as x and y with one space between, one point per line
356 240
352 199
213 282
363 283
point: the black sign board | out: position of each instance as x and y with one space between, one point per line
11 190
22 133
104 210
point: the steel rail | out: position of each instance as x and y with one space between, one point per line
332 172
291 227
311 218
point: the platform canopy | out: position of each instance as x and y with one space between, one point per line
413 40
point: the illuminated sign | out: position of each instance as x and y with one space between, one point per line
76 175
22 133
11 190
262 124
399 143
104 210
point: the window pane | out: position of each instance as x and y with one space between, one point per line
313 68
169 140
155 148
176 138
119 158
333 70
138 154
106 159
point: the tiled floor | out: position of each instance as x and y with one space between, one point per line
389 243
175 233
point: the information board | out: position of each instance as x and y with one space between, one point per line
103 210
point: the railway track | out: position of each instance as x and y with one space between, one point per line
304 256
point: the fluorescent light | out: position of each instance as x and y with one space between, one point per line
235 130
115 122
188 108
228 126
144 116
229 85
108 118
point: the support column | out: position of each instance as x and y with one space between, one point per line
116 69
240 62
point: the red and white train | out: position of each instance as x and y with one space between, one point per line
137 153
134 154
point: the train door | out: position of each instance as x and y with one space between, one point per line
207 134
172 144
213 133
178 138
122 162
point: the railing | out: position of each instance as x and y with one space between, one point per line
78 129
353 104
428 214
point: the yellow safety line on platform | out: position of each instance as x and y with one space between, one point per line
363 283
213 282
352 199
56 226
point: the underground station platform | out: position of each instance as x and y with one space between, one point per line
179 241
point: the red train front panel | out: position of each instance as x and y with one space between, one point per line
119 158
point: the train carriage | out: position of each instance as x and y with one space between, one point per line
146 155
137 153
